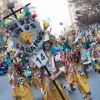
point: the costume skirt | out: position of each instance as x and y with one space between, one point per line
82 82
23 92
36 83
51 93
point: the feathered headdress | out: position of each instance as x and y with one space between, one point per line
62 40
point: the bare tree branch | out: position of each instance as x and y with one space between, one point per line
87 12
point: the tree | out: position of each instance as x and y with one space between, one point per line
87 13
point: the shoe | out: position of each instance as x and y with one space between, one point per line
69 90
64 88
73 89
85 98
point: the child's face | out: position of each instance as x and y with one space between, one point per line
77 49
11 55
10 71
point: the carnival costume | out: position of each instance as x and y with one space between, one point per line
21 88
49 90
80 75
77 74
36 78
97 59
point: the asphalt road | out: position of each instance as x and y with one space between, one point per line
94 81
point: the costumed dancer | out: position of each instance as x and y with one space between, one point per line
96 55
73 35
70 72
36 77
80 75
68 63
97 61
18 81
50 92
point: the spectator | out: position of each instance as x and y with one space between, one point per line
88 42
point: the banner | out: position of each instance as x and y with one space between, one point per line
27 34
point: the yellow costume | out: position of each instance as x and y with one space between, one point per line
97 65
50 91
53 94
36 80
22 92
73 77
70 75
81 80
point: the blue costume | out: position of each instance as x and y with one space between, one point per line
9 60
67 47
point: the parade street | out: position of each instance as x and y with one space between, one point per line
94 80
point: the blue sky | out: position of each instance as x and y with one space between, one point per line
53 9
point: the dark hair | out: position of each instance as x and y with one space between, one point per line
49 42
8 53
19 55
88 36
